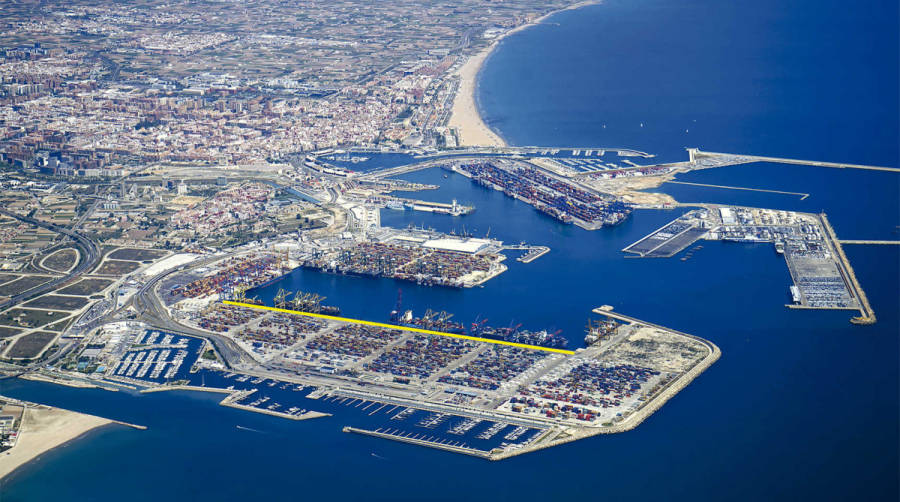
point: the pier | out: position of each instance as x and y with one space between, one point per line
532 252
421 442
870 242
453 209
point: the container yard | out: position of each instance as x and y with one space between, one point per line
419 357
493 367
556 196
449 262
227 278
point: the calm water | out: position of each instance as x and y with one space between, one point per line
801 404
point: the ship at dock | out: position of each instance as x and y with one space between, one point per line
442 321
304 302
599 331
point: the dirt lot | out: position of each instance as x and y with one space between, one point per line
30 318
7 277
55 302
30 345
85 287
61 260
24 284
8 332
136 254
61 325
117 268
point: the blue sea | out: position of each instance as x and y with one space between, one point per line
801 405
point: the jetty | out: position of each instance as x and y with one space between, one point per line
867 315
733 159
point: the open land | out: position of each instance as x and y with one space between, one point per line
86 287
58 302
116 268
61 261
31 345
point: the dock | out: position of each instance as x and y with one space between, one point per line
533 252
670 239
453 209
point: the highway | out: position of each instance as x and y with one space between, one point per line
90 256
152 312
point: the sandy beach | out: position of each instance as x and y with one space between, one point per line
472 131
44 428
464 115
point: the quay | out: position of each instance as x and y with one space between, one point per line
303 416
670 239
453 209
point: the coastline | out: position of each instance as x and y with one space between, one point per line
43 429
465 115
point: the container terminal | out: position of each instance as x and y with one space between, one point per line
821 274
464 396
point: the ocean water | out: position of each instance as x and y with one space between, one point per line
801 404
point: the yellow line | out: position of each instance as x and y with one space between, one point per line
401 328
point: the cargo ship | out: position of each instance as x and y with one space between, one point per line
435 321
599 331
441 321
557 198
304 302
